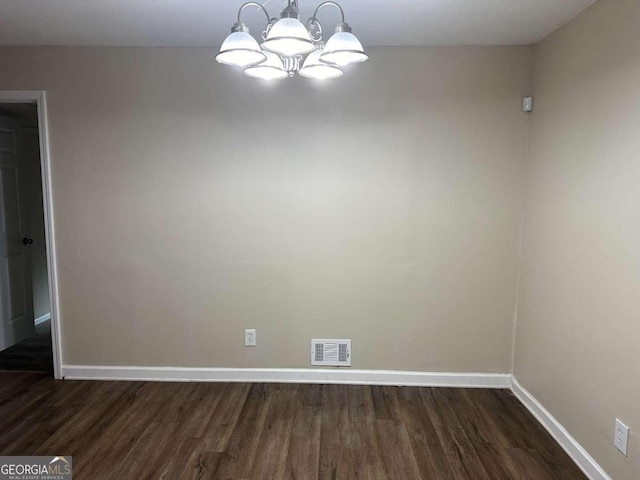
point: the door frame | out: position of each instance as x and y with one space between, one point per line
39 97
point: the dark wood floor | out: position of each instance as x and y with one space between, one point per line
33 354
144 430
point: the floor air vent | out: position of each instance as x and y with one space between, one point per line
335 353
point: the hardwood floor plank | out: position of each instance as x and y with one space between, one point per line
234 431
396 452
303 458
461 455
382 403
478 426
20 406
270 460
203 466
101 407
488 440
119 436
334 433
36 427
529 465
243 445
427 449
535 437
202 408
310 395
222 422
162 429
364 459
183 463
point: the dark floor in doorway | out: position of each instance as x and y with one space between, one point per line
33 354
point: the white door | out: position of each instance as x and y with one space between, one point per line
16 307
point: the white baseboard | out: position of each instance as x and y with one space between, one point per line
43 318
288 375
579 455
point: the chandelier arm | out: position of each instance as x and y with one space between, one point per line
324 4
315 29
254 4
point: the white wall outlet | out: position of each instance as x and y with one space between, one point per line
621 437
250 337
527 104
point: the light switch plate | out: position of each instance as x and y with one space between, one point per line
621 437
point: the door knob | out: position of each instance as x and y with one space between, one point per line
27 241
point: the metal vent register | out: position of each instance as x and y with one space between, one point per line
336 353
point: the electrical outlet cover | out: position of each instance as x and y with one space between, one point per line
250 337
621 437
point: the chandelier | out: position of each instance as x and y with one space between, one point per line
288 46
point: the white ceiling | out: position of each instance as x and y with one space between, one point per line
207 22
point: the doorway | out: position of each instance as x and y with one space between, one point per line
29 338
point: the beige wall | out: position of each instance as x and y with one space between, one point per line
192 202
578 327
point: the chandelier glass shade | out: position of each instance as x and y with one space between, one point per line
240 49
313 67
289 47
271 69
342 49
288 37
